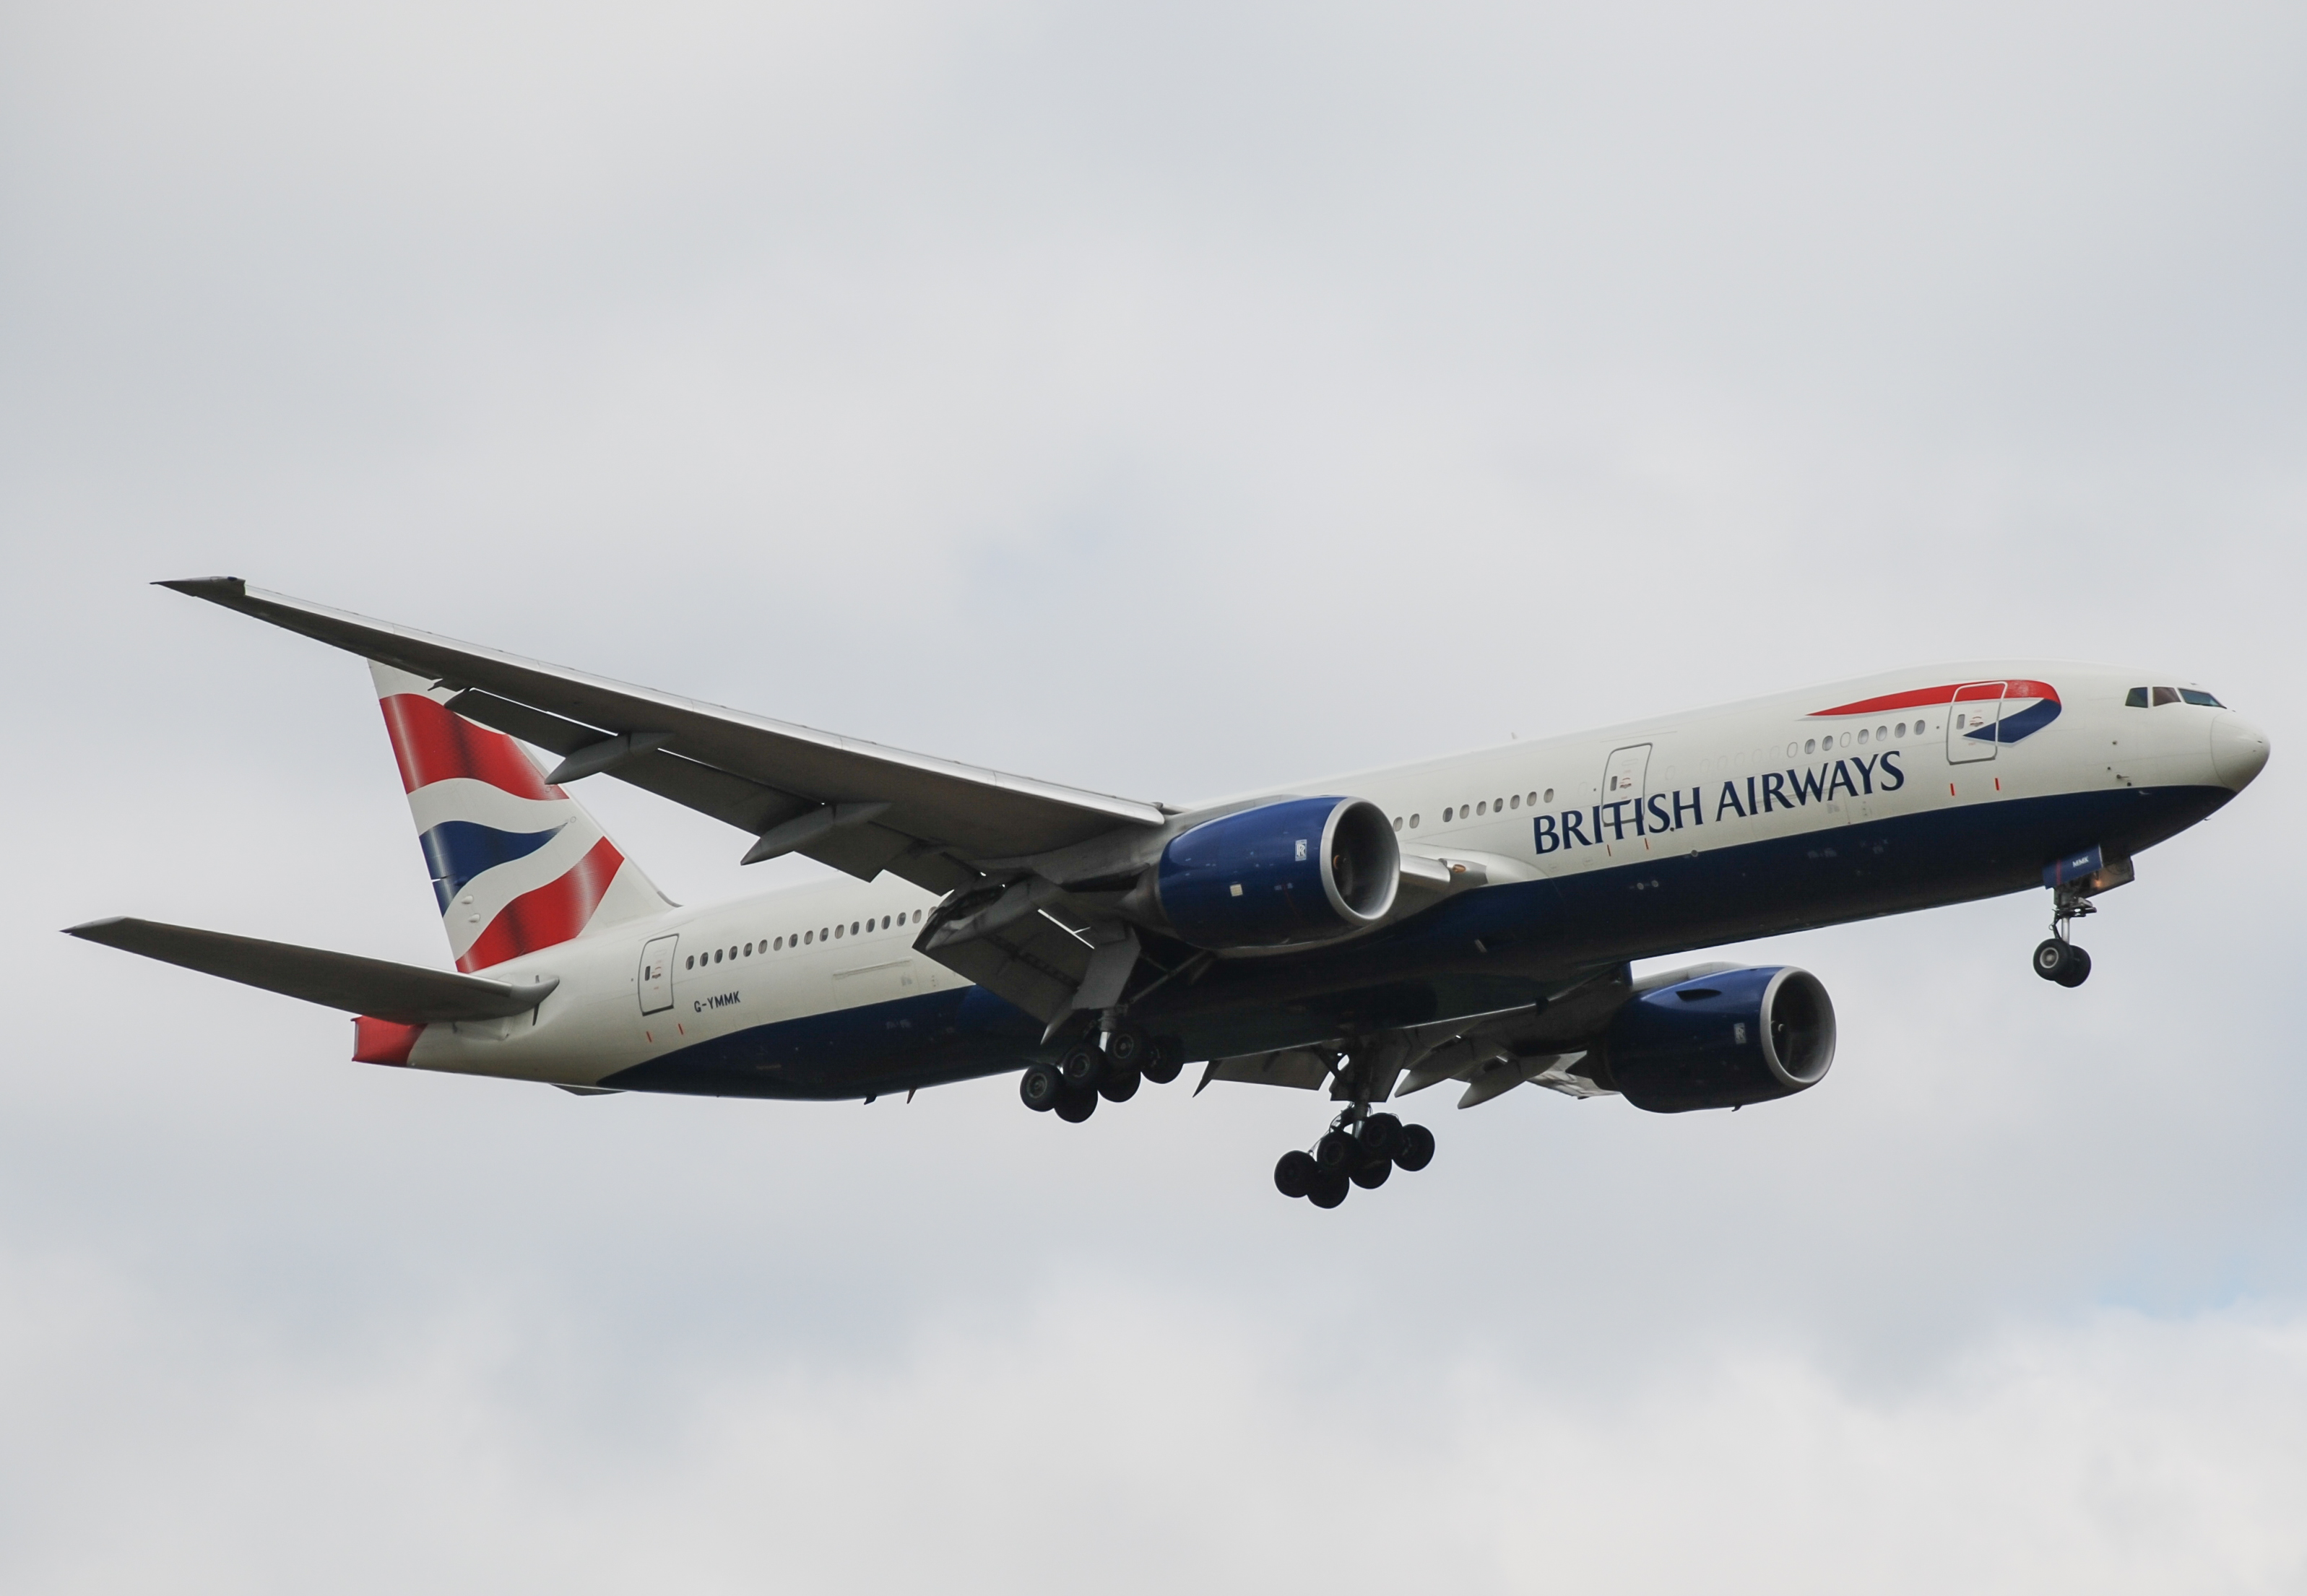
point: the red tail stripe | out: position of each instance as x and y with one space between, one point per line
1928 697
433 744
550 915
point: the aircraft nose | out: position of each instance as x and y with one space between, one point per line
2239 750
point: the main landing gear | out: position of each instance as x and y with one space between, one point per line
2056 958
1361 1149
1089 1070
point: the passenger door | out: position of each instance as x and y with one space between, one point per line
1972 720
1626 775
656 975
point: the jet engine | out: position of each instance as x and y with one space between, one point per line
1305 869
1721 1041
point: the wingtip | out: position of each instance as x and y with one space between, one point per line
87 929
209 588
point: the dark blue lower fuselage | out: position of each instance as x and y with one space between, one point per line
1494 947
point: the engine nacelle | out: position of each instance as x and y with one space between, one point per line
1305 870
1720 1041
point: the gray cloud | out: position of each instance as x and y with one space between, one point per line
1166 401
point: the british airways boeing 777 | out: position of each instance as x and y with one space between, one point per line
1469 919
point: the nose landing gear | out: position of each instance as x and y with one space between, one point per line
2056 958
1361 1149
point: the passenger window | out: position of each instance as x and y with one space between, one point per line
2136 699
1446 813
1413 822
2166 695
2204 699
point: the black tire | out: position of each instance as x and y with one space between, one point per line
1381 1135
2054 958
1417 1148
1082 1066
1329 1189
1163 1060
1077 1105
1372 1175
2078 970
1296 1174
1041 1088
1126 1048
1337 1151
1119 1085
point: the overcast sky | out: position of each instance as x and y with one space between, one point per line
1169 399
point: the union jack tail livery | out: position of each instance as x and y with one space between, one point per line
517 865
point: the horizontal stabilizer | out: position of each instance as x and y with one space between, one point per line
405 993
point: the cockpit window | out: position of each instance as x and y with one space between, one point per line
2166 695
2136 699
2204 699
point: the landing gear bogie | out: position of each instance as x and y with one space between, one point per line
1087 1071
1360 1149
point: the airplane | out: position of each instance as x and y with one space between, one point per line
1471 919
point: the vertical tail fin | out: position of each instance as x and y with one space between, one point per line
517 865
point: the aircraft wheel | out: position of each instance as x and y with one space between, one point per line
1041 1088
2078 970
1372 1175
2054 958
1077 1104
1329 1189
1126 1047
1337 1151
1381 1135
1119 1085
1417 1148
1083 1065
1296 1174
1164 1061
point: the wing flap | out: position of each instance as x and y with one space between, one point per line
407 994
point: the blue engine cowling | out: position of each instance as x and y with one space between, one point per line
1720 1041
1305 869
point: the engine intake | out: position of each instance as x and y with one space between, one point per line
1722 1040
1305 870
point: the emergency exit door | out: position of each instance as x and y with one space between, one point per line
1973 720
656 975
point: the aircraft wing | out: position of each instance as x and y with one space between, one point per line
858 806
408 994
